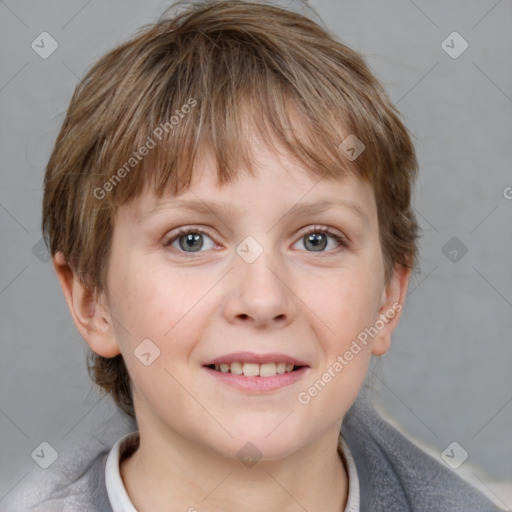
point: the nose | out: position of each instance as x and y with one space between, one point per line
260 293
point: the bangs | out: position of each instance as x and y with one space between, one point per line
235 93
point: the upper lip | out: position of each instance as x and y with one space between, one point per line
249 357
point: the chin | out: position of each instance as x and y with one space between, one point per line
269 440
250 452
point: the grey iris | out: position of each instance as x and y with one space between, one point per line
191 242
317 241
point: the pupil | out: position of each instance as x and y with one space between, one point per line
192 241
317 240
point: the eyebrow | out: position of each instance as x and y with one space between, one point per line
215 208
323 205
201 206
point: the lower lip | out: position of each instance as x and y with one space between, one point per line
258 384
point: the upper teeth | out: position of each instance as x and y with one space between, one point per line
254 369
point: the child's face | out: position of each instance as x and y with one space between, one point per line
302 299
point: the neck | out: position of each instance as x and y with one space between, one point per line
185 476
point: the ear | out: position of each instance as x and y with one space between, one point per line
393 297
90 314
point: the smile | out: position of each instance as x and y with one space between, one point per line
254 369
256 373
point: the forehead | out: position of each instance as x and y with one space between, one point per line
277 182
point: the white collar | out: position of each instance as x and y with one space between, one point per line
120 501
353 478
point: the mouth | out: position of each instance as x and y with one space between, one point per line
256 373
254 369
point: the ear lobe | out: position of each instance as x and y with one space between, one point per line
390 310
90 314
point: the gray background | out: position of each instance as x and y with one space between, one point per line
447 377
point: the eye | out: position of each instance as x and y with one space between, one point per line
190 240
316 239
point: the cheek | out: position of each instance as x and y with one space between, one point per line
170 309
153 301
347 303
155 340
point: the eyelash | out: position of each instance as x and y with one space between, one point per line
185 231
326 231
341 240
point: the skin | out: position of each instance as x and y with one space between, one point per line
310 304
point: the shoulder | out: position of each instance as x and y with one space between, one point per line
394 474
64 489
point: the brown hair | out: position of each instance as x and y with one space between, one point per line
212 77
